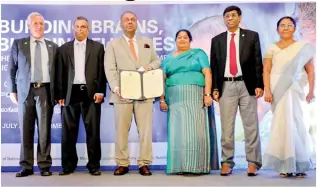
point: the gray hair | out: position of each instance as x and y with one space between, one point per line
33 14
82 18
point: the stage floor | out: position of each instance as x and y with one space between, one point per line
238 178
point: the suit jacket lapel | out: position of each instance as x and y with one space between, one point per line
126 47
27 49
50 54
140 50
224 49
241 42
71 52
88 50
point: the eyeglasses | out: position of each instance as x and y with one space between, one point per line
234 15
289 26
81 27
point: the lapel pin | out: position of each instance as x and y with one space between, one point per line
25 43
242 35
49 45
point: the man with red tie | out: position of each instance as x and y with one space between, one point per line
236 64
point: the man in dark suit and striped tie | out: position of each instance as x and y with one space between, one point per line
31 65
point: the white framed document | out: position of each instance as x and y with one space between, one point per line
153 83
141 85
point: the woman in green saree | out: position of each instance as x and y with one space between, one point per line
187 98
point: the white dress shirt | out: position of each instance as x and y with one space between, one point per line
237 42
80 61
45 60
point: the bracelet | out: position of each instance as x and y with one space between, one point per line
207 94
162 101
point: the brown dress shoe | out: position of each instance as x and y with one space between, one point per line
225 170
121 170
145 171
252 170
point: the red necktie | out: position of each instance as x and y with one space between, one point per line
233 58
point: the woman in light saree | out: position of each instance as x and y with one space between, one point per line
288 68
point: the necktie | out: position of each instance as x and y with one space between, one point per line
233 58
133 50
38 76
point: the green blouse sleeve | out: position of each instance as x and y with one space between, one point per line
164 64
203 59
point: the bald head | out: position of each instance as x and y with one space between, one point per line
127 12
128 23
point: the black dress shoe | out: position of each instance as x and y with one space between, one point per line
66 172
24 173
145 171
46 172
95 172
121 170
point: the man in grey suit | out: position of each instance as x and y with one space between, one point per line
130 52
31 68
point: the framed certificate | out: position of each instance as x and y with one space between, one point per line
141 85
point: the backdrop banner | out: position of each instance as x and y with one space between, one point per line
159 22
